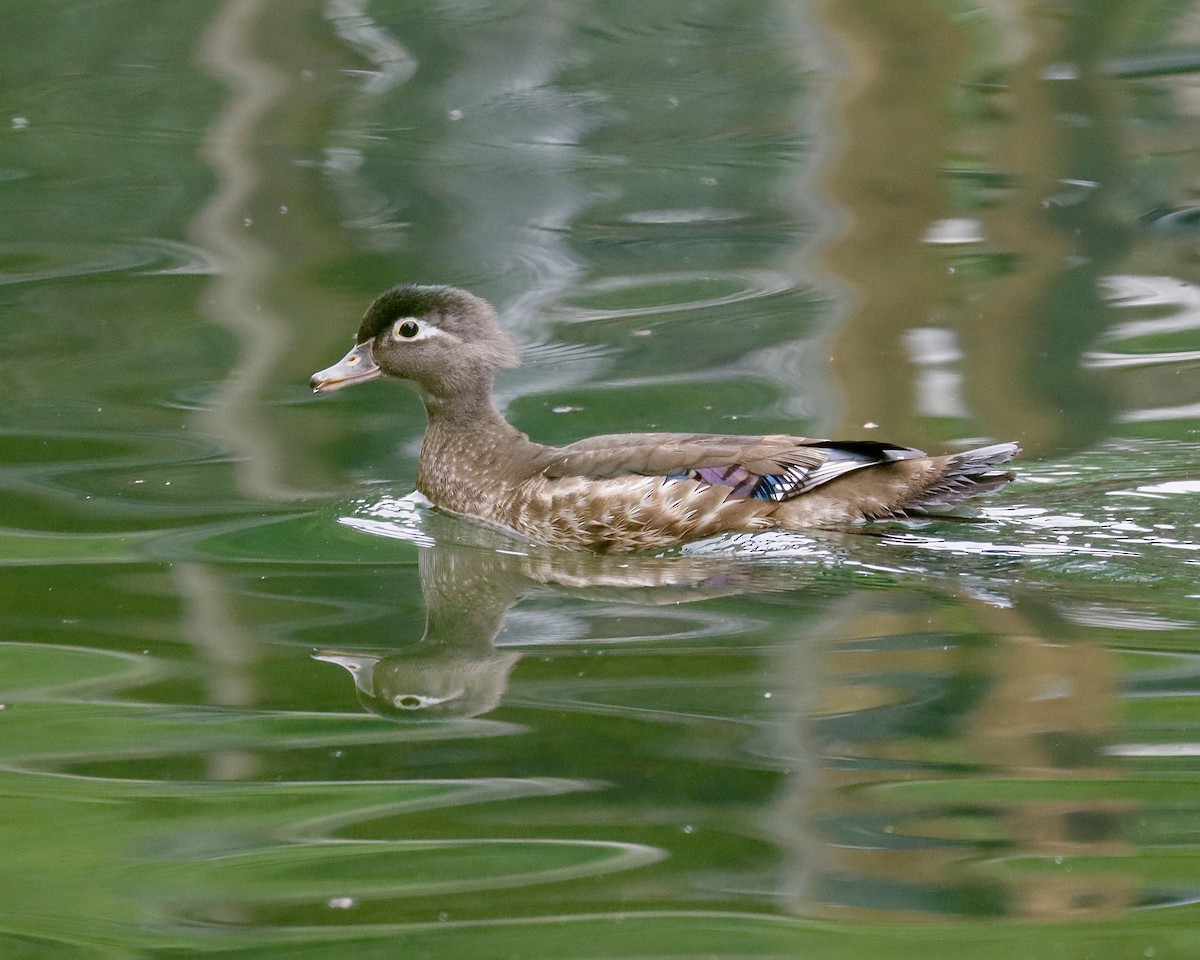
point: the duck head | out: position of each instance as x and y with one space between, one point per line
445 340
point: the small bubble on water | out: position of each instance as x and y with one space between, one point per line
767 695
689 828
246 222
283 208
341 903
456 115
443 916
20 123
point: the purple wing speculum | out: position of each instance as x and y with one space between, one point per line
797 478
745 484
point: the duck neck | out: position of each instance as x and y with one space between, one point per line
468 446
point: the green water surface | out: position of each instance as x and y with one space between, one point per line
259 702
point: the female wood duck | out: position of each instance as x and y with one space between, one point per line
631 490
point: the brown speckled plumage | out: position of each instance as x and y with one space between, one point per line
624 491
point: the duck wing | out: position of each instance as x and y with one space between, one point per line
774 467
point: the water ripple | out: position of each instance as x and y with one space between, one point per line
393 63
391 869
1122 511
39 262
665 293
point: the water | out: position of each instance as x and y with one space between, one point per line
258 701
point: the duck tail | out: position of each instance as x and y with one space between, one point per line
967 475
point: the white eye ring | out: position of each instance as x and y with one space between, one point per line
410 330
406 329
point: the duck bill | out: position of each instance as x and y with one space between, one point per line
358 366
361 666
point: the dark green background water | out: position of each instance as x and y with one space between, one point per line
934 222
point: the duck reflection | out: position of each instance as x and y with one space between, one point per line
456 670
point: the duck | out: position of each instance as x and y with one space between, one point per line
627 491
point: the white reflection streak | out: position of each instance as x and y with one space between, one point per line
1098 359
953 231
366 209
235 299
1115 618
1125 290
394 64
1181 300
1172 486
1186 411
211 626
936 353
1153 750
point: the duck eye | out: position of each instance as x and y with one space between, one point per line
408 329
